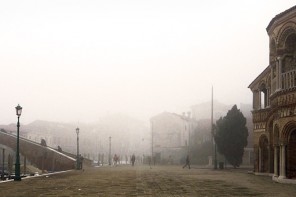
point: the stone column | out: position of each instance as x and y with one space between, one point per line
255 100
249 159
266 97
269 158
277 74
259 160
282 161
271 84
280 73
276 173
292 79
259 100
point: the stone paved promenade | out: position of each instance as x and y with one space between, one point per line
143 181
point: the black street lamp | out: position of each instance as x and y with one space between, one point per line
152 159
77 157
17 176
3 157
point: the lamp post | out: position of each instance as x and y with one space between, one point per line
3 157
77 157
189 130
214 148
17 176
152 159
110 151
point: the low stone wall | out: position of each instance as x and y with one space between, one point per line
44 158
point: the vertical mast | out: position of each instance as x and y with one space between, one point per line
212 130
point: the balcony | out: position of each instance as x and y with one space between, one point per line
289 80
260 115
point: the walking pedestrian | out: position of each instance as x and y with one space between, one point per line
149 161
187 162
133 159
115 160
80 162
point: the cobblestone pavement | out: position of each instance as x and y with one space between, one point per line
143 181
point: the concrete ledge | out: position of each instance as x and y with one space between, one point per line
41 175
282 179
278 179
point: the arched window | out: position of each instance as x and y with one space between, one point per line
290 42
263 96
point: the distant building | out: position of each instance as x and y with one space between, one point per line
274 102
170 136
55 134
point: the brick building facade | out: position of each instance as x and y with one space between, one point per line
274 102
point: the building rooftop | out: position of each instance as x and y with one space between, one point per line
279 16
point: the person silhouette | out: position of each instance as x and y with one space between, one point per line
187 162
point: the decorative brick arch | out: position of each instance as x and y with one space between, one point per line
289 139
291 155
287 129
263 153
287 29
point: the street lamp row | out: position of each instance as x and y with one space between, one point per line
17 176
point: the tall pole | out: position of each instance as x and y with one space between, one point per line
17 163
189 129
212 130
152 159
77 157
110 151
3 157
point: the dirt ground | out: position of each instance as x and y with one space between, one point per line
142 181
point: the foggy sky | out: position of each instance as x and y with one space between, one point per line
78 60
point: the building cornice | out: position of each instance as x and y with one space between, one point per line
278 17
259 77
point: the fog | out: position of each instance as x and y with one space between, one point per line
76 61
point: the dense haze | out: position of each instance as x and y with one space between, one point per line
76 61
